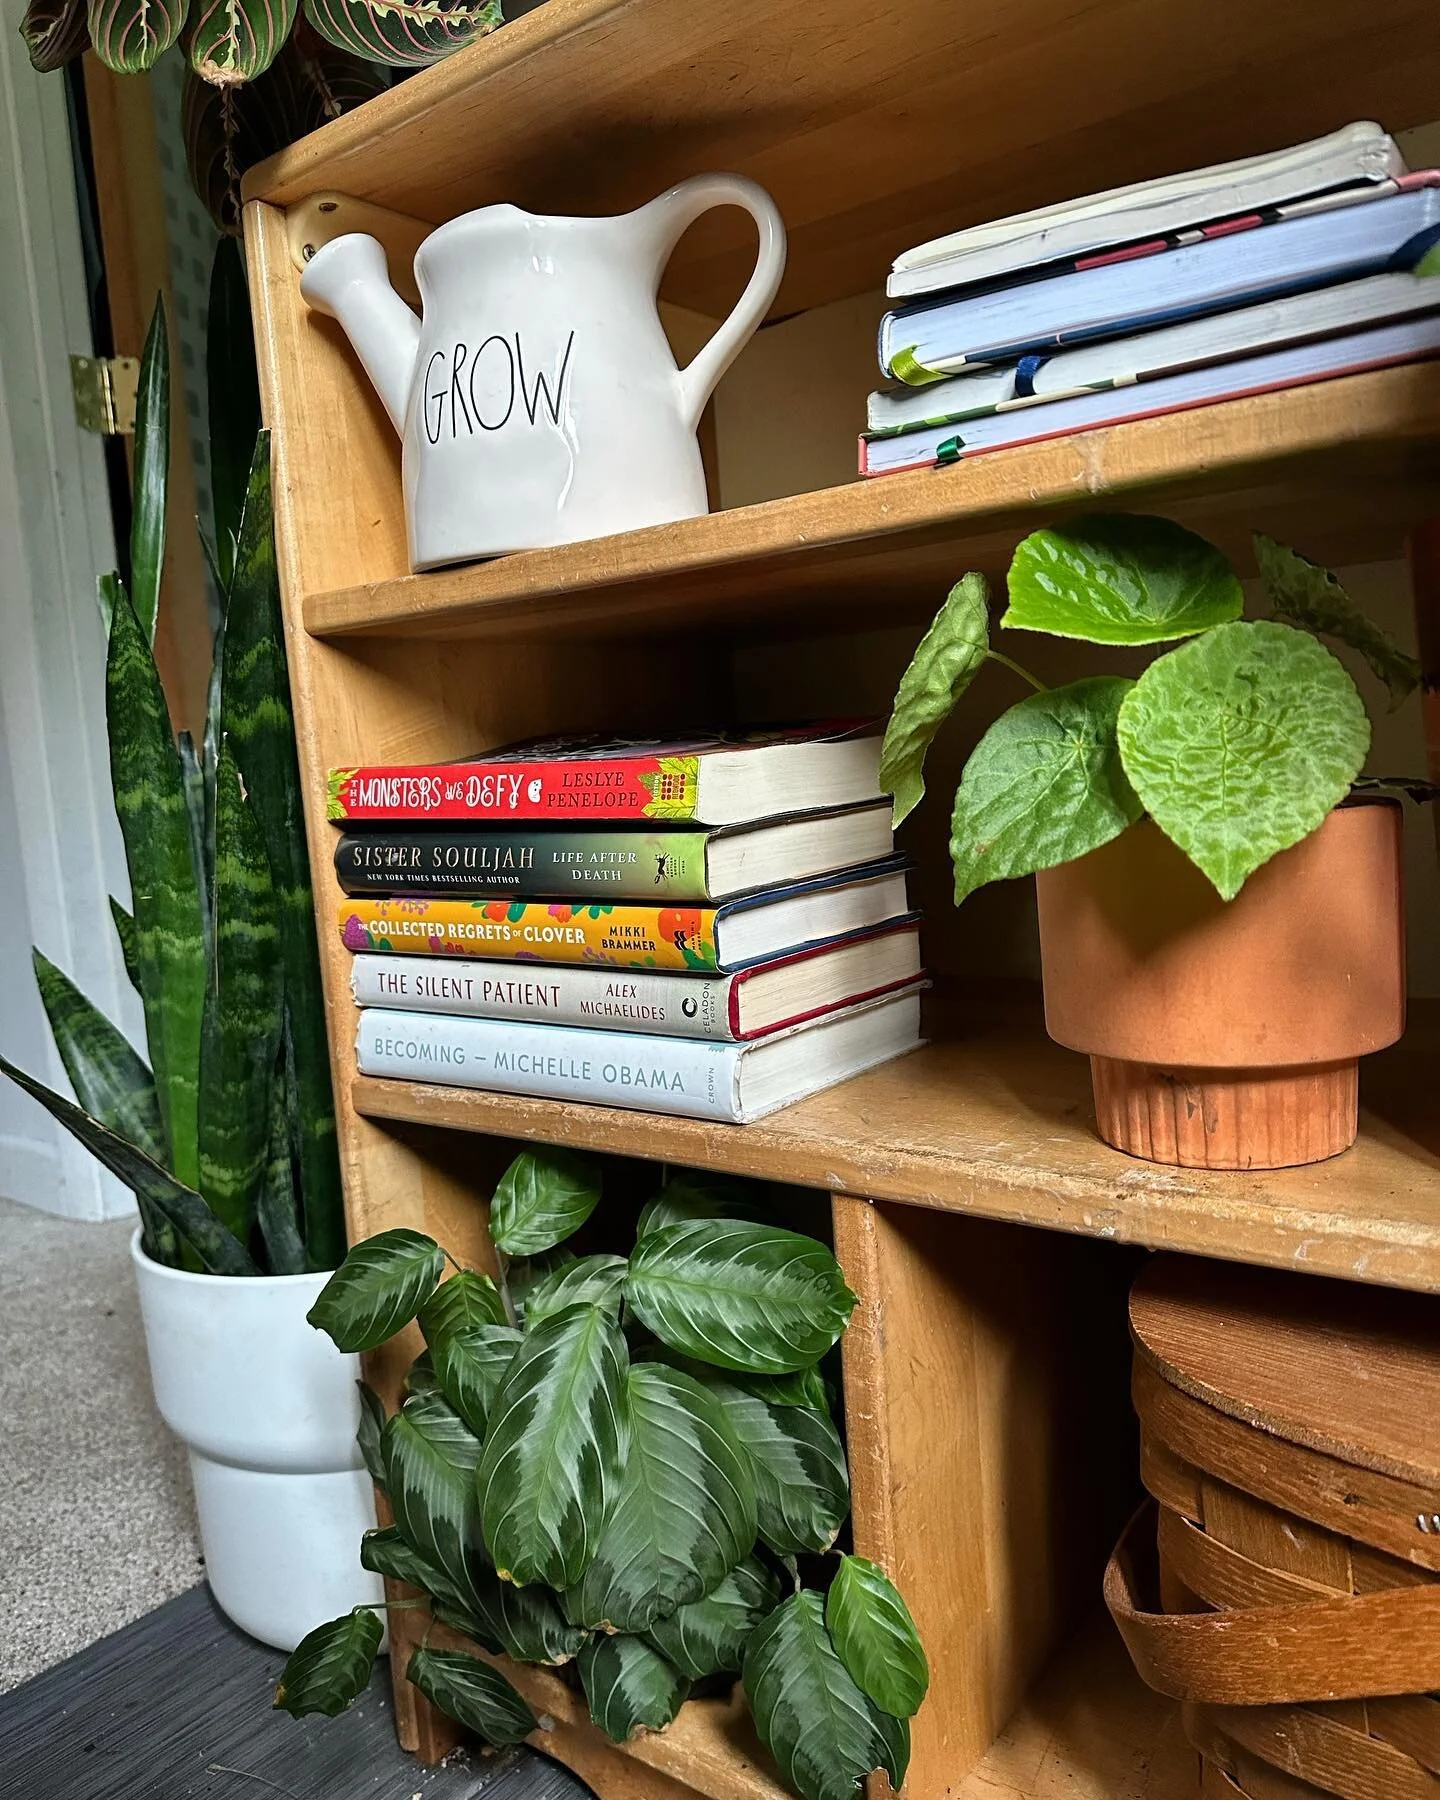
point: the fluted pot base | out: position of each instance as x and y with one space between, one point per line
1227 1118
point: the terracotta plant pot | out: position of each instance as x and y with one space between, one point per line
1227 1036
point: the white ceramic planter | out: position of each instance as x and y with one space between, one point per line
267 1407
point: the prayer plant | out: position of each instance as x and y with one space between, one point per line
227 1135
609 1465
1237 744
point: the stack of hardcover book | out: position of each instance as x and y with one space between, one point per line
1292 267
713 928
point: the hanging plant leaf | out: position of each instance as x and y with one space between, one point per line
946 661
406 34
55 33
802 1487
130 36
739 1296
553 1459
232 41
330 1666
390 1553
1120 579
628 1684
1240 743
1304 594
685 1512
381 1285
543 1196
430 1458
470 1364
472 1693
875 1637
588 1281
110 1080
367 1433
709 1636
466 1298
695 1195
817 1724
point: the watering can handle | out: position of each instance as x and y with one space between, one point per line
666 218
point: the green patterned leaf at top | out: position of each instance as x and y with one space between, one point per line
542 1197
945 662
473 1693
875 1637
739 1295
430 1459
588 1281
130 36
331 1665
629 1686
235 40
468 1297
709 1636
1241 743
55 33
1043 786
1120 579
470 1363
381 1285
403 34
1302 593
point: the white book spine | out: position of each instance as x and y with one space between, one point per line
596 999
688 1077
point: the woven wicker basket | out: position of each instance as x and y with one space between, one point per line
1290 1440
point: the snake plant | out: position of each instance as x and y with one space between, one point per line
226 1135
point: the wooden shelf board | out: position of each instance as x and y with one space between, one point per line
875 126
1345 466
994 1120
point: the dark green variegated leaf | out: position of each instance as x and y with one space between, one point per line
130 36
467 1298
256 718
526 1271
628 1684
331 1665
129 948
818 1725
151 481
234 394
55 33
1120 579
803 1387
456 1615
556 1448
231 41
430 1458
875 1637
111 1082
1302 593
390 1553
709 1636
277 1210
218 1251
421 1378
244 1011
693 1195
523 1622
367 1433
893 1736
543 1196
802 1487
588 1281
685 1512
381 1285
474 1694
1043 786
739 1296
470 1363
149 795
405 34
202 820
944 664
1240 743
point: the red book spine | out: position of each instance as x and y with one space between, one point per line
571 788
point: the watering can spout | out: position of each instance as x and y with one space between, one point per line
349 279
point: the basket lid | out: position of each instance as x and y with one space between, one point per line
1353 1372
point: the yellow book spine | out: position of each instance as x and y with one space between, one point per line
623 937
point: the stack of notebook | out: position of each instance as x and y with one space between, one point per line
713 928
1281 269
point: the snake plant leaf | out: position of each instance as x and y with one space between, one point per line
331 1666
709 1636
1044 785
192 775
739 1295
945 662
523 1622
474 1694
1302 593
588 1281
802 1487
111 1082
381 1285
129 945
875 1637
219 1252
542 1197
244 1011
233 388
151 481
1120 579
1240 743
685 1514
367 1434
820 1727
232 41
390 1553
468 1297
55 33
558 1438
694 1195
629 1684
470 1362
149 795
256 716
430 1457
277 1210
403 34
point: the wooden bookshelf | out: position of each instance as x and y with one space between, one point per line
988 1234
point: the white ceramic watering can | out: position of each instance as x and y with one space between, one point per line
538 400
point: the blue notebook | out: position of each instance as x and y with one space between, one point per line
1001 324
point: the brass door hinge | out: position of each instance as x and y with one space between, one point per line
105 388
